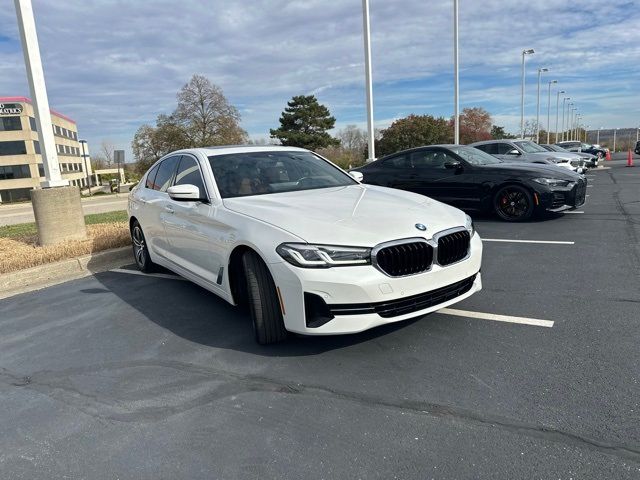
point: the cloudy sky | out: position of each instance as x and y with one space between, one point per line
113 65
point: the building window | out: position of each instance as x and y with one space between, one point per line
15 195
36 147
13 148
10 123
41 170
33 124
10 172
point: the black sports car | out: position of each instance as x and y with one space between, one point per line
575 146
637 149
473 180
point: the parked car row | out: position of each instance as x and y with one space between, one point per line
469 178
312 249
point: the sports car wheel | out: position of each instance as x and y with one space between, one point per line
513 203
140 250
264 303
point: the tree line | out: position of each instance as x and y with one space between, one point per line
204 117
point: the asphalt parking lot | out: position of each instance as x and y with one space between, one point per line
123 375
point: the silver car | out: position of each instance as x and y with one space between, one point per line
578 158
525 151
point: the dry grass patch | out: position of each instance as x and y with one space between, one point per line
20 252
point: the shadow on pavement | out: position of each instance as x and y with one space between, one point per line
199 316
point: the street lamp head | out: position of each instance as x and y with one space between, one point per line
553 81
528 51
543 70
562 91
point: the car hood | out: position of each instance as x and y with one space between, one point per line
533 170
358 215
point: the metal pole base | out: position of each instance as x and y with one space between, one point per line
59 215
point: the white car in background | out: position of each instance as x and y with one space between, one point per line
307 247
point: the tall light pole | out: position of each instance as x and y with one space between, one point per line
586 127
366 24
565 131
563 105
598 136
558 112
615 131
456 78
540 72
574 110
549 111
529 51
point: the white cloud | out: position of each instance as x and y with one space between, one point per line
114 65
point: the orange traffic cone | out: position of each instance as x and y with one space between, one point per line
608 155
630 159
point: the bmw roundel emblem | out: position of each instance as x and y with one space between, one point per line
421 227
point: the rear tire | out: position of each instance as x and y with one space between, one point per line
263 301
140 249
513 203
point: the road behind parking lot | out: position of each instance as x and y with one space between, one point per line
129 376
15 213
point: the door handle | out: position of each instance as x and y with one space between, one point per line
169 208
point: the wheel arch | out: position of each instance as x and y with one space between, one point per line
235 272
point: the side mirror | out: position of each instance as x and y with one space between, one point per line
513 152
184 193
453 165
357 176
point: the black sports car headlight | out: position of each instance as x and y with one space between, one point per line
323 256
553 182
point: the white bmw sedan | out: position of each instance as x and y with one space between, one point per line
304 245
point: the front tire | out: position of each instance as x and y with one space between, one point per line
263 301
513 203
140 249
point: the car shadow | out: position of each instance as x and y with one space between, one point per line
199 316
541 217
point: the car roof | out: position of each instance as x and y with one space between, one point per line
226 149
501 140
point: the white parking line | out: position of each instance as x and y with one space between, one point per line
157 275
589 186
509 240
573 211
498 318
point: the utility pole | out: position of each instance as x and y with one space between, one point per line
558 111
56 206
456 77
529 51
549 110
369 82
540 72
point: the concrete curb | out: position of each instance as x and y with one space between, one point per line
49 274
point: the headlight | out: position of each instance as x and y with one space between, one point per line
552 182
323 256
469 225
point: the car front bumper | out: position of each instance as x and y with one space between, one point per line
558 199
358 298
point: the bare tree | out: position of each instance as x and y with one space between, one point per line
206 115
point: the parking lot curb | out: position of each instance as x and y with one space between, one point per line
49 274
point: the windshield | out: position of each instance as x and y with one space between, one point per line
530 147
474 156
558 148
258 173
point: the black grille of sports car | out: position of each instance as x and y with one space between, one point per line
405 258
453 247
402 306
